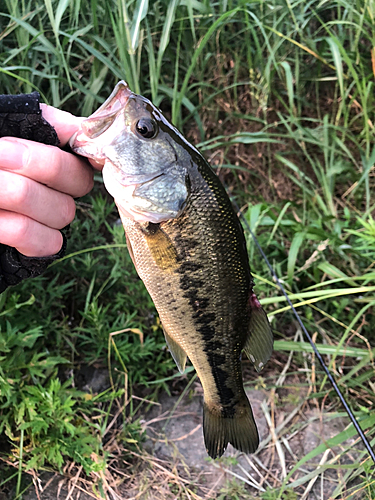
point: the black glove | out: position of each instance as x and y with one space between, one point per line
20 116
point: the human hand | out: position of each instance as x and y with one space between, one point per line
37 187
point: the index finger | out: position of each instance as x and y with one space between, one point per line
48 165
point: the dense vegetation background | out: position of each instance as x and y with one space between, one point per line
279 96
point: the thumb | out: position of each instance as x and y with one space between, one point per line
64 123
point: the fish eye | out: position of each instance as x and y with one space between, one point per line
146 128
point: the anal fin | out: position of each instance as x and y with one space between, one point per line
259 343
178 354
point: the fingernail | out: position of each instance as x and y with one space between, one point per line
12 153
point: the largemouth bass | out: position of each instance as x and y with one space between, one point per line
189 249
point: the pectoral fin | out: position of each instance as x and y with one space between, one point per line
177 352
161 247
259 344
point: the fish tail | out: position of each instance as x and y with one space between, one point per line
229 425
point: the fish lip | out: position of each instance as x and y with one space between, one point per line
116 101
97 123
108 111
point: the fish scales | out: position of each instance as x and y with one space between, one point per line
194 263
204 316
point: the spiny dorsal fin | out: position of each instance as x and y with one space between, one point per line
178 354
259 343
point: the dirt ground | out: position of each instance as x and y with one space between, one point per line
174 465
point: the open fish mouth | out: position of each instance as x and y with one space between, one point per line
95 126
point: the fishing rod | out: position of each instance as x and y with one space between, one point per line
312 343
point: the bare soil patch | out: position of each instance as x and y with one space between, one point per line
173 463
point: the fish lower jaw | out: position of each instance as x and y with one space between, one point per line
82 146
124 199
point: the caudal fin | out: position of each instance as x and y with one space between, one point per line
237 427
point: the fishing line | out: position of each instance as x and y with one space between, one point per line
315 349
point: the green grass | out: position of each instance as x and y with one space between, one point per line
280 98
